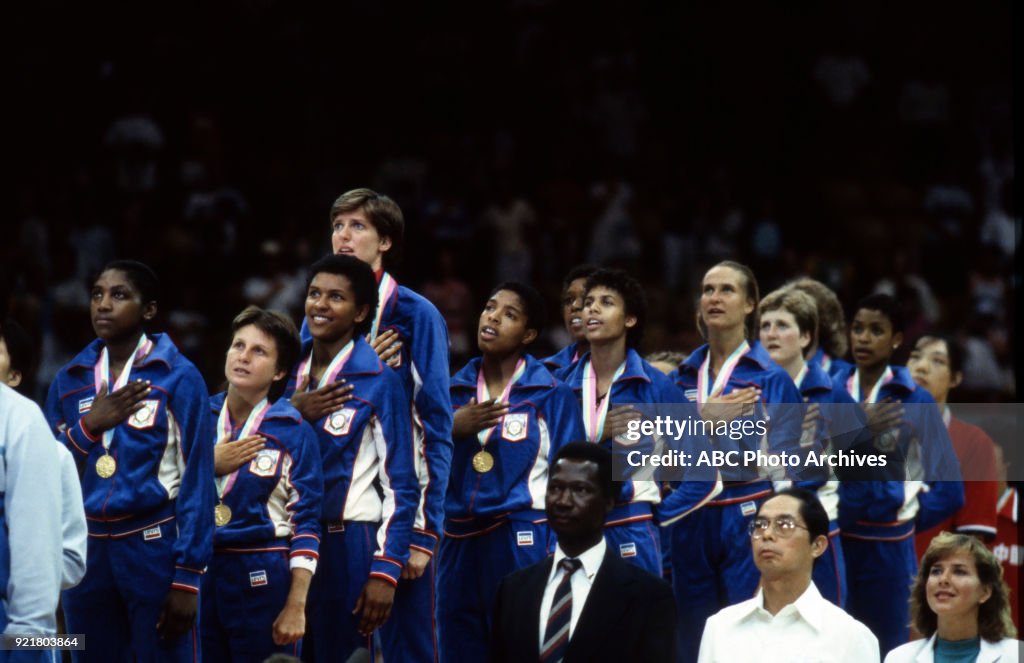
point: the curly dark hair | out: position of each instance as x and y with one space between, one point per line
633 297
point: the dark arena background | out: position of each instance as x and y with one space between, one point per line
869 145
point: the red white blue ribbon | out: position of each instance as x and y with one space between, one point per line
853 386
337 363
722 379
385 289
594 413
224 432
483 394
101 374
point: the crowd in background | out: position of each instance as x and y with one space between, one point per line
870 148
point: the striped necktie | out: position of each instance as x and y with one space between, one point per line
556 633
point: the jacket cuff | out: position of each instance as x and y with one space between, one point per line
386 569
423 541
186 579
306 545
81 438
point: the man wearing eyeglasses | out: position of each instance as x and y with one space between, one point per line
788 620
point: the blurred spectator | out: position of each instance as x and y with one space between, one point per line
453 299
135 142
512 218
842 77
612 237
276 285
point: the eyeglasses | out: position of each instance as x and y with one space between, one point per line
784 527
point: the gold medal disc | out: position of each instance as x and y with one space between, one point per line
106 466
483 462
221 514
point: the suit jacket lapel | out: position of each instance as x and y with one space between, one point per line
605 604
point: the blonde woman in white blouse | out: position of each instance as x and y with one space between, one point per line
960 603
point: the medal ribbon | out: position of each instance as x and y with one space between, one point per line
332 369
101 373
483 394
385 289
799 379
853 386
722 379
826 362
224 432
594 414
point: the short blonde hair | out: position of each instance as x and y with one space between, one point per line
797 302
994 621
831 321
383 212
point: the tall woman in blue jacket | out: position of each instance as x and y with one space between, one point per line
134 413
711 562
269 486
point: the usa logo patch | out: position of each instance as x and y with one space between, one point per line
151 533
145 416
258 578
339 422
691 394
524 538
265 463
85 404
748 508
515 426
627 549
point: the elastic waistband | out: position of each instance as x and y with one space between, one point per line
131 524
740 492
458 528
869 531
633 512
335 526
271 545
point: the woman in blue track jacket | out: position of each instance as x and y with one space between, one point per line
134 413
366 450
269 487
878 525
511 417
711 561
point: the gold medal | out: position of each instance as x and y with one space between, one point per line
221 514
106 466
483 462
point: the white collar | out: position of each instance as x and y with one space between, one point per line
590 558
807 606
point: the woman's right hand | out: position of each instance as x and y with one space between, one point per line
313 405
229 455
474 417
109 410
727 407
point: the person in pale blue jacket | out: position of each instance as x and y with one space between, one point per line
30 535
16 356
961 605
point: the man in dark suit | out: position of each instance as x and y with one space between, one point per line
585 604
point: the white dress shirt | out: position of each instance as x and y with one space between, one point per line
810 630
579 585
